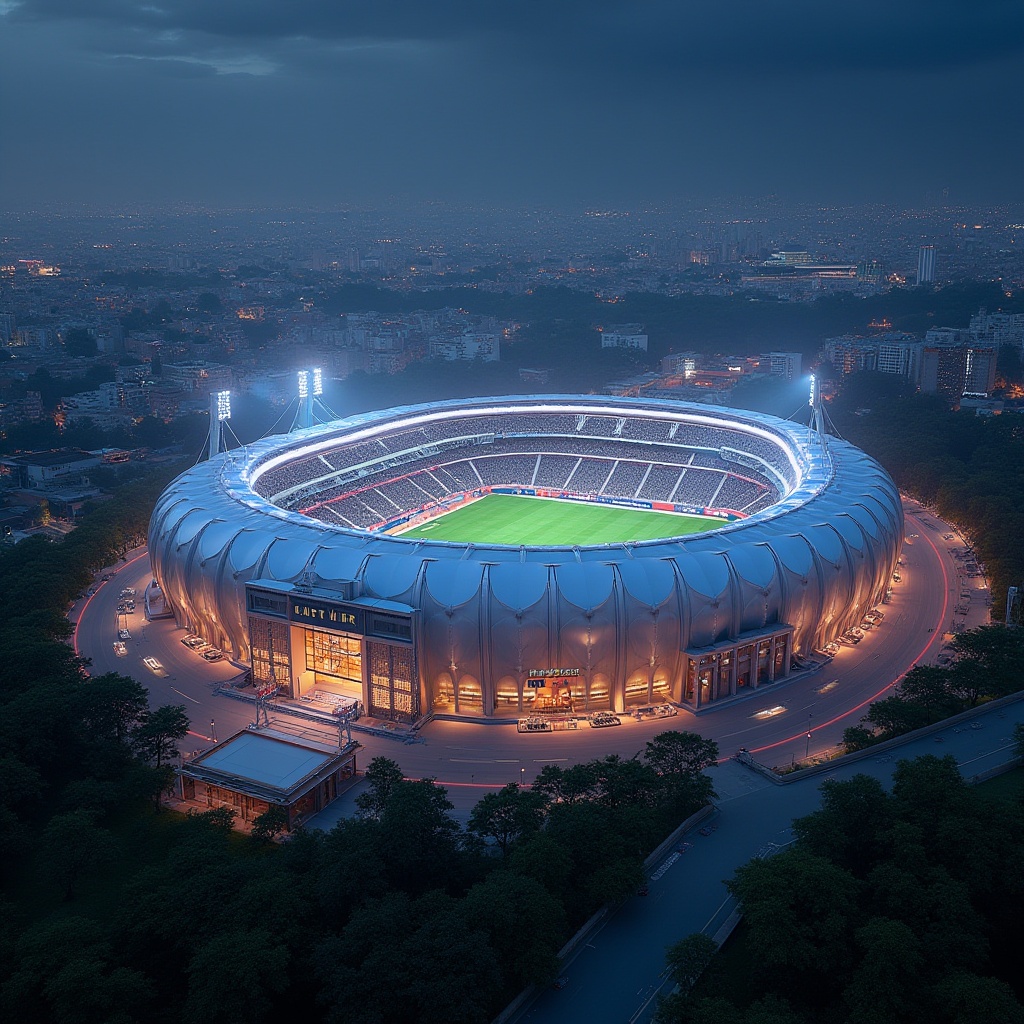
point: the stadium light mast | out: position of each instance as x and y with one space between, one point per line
311 387
817 413
220 410
305 417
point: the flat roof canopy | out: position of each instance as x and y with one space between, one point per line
265 760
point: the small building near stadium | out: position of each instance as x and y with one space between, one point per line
252 771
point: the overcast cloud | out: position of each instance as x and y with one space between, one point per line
508 101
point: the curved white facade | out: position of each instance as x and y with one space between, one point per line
636 619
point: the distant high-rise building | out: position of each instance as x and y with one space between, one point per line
926 264
7 325
894 352
624 336
952 365
783 364
990 328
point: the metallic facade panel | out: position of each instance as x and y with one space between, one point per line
816 559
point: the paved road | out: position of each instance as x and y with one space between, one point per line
474 758
617 975
619 972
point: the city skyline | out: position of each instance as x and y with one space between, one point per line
563 106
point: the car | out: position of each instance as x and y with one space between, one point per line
560 982
154 666
119 649
683 847
123 634
643 890
213 654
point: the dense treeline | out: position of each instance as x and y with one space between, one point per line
970 469
116 910
891 908
986 667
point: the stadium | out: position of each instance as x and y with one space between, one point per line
536 555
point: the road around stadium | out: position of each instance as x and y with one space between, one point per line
618 972
470 758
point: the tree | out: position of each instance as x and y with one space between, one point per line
852 824
508 815
115 706
157 734
928 789
382 776
680 758
625 782
256 963
64 970
680 753
969 999
856 737
272 822
688 958
72 844
208 302
156 740
567 785
801 911
524 923
887 981
998 651
420 841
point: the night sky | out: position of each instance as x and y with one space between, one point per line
509 102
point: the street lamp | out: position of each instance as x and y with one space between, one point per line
522 777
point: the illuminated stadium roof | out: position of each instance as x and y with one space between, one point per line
813 546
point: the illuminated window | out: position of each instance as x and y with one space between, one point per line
394 690
334 655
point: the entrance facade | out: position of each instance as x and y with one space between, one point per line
311 643
736 667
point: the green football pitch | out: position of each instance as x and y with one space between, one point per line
512 519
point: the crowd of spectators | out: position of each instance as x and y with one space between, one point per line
660 483
738 492
368 482
554 470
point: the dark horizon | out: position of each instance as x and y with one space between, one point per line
321 105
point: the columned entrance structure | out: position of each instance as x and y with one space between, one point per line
736 667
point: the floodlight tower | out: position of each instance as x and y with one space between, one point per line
220 410
817 413
311 387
